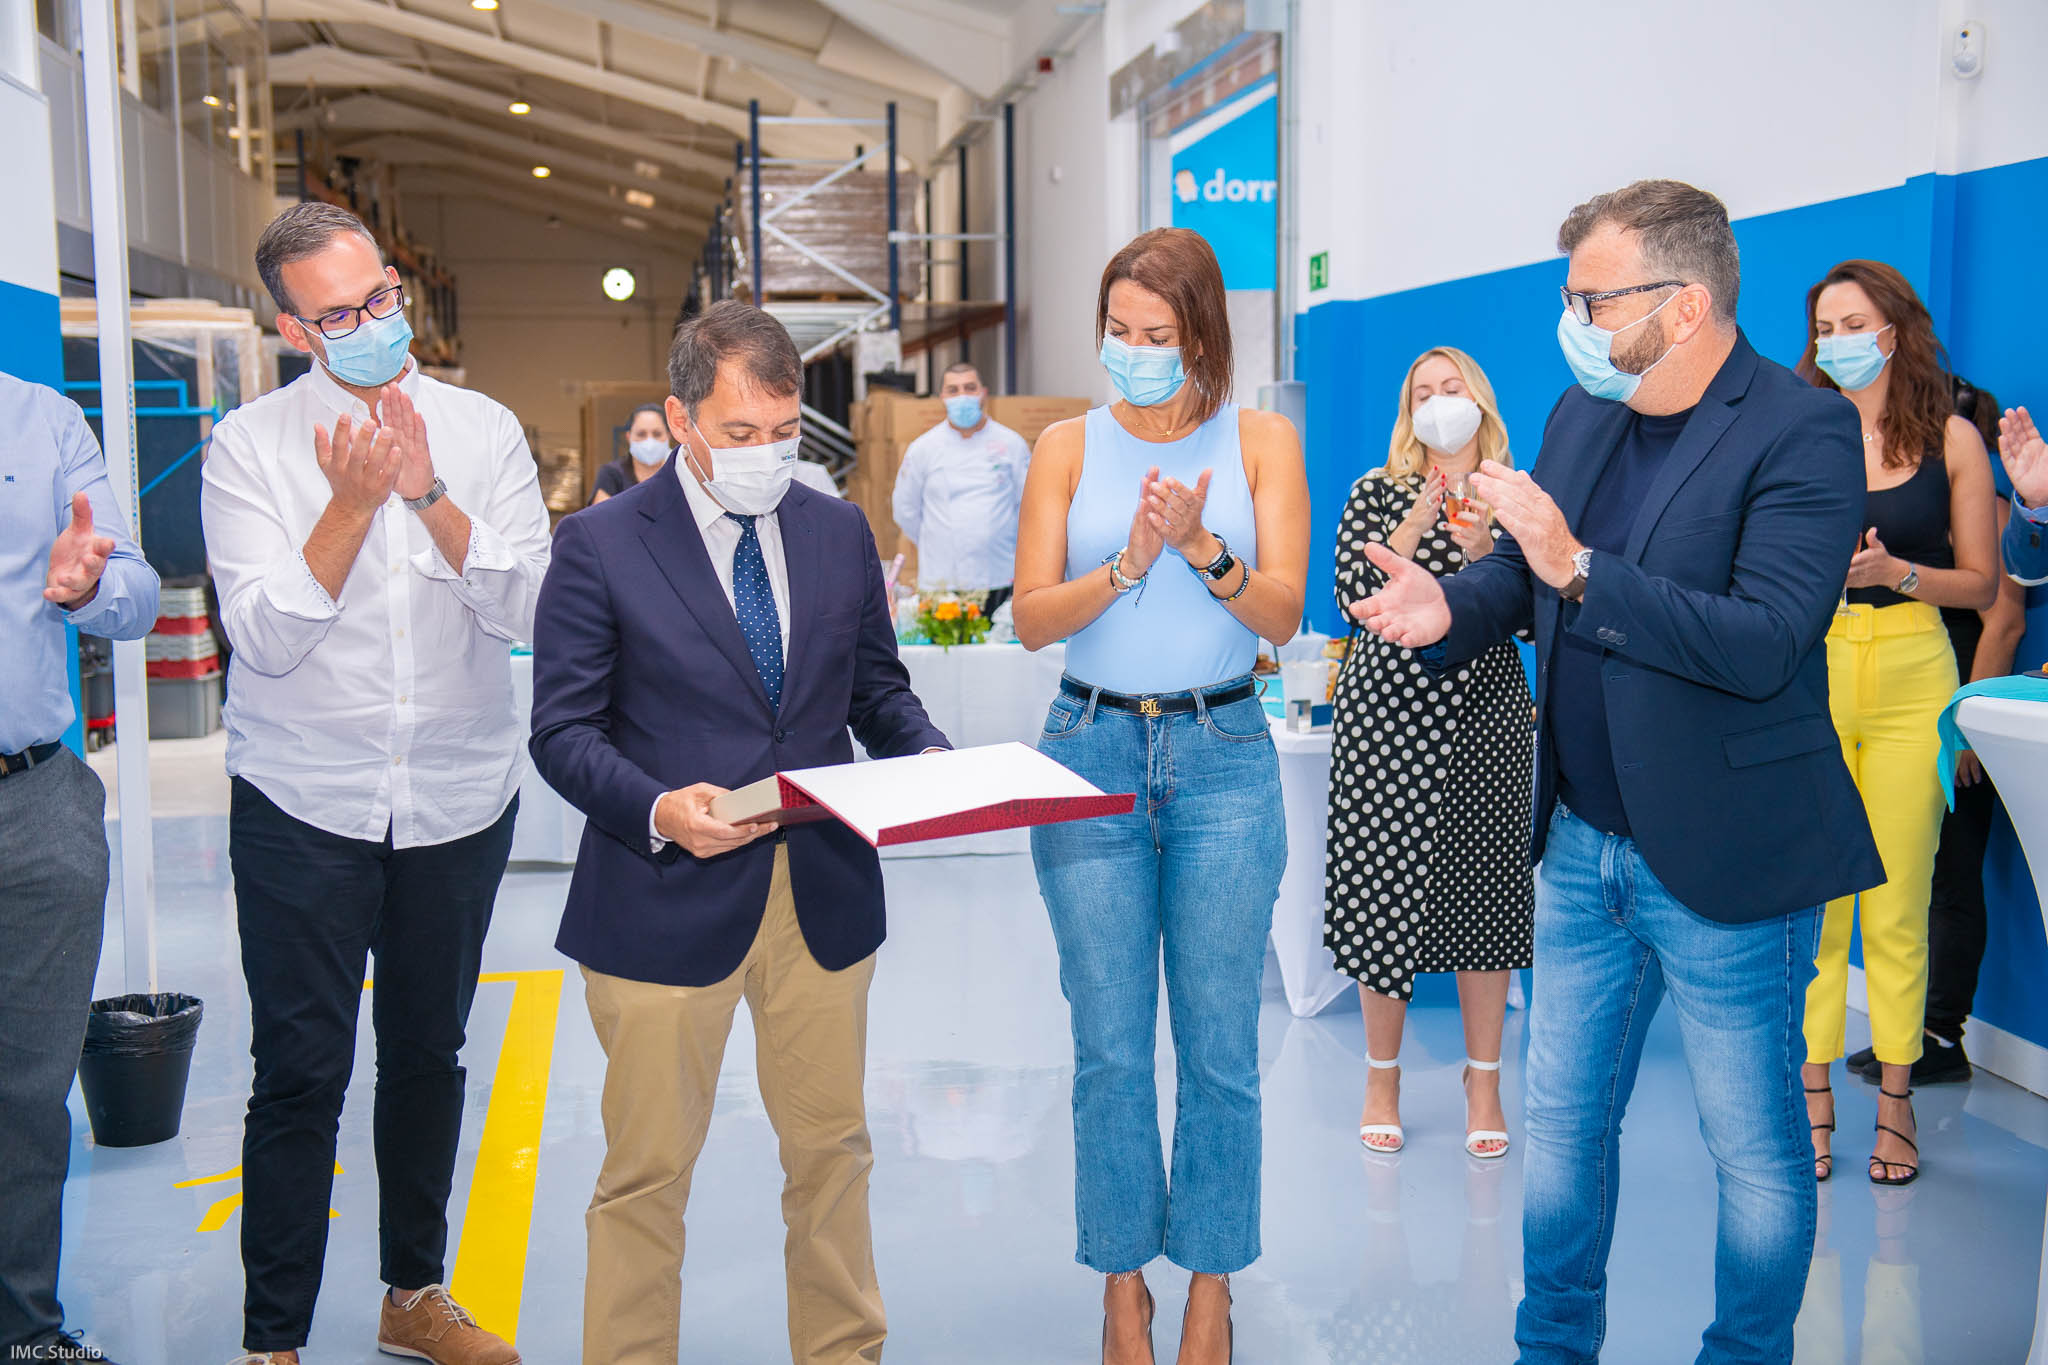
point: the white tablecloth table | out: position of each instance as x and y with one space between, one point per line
1307 969
2011 737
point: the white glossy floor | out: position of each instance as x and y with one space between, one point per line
1415 1258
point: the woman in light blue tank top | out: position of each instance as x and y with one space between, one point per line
1161 536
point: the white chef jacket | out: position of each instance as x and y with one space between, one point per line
957 497
389 709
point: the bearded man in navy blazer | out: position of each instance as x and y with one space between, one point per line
707 628
1679 555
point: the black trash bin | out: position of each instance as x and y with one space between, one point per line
137 1058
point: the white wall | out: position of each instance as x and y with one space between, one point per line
1447 140
535 325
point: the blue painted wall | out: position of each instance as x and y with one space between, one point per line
1971 244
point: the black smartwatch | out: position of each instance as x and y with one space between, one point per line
1219 567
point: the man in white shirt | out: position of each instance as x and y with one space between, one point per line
377 538
958 492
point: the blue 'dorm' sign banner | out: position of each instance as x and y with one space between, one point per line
1226 183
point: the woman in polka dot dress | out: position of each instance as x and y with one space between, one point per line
1429 775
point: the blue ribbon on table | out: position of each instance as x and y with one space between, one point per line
2017 687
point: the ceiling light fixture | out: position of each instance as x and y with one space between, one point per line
637 224
210 101
518 107
541 172
640 199
485 5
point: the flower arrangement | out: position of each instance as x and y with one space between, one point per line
945 620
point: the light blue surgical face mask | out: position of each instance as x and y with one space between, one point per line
374 353
1851 359
1589 350
1145 376
651 451
963 410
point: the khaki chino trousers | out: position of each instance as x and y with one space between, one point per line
664 1046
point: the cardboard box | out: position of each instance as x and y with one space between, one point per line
1030 414
607 406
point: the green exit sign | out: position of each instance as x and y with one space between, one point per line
1319 271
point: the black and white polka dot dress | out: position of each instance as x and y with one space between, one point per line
1429 786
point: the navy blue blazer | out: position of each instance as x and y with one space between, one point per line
642 684
1715 619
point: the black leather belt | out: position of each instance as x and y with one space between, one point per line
1163 704
10 764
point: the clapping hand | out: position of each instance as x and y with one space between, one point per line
1148 529
2025 455
1409 610
77 559
1873 566
361 462
416 463
1181 508
1527 513
1422 513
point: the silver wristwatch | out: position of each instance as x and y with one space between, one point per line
1909 582
1582 564
430 497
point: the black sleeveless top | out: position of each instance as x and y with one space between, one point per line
1912 520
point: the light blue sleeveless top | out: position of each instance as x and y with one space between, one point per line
1172 634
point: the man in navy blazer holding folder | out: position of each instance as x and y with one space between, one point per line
703 630
1679 557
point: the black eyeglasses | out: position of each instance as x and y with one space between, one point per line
383 304
1581 305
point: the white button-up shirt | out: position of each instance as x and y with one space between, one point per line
391 707
957 497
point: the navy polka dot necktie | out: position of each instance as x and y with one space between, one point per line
753 601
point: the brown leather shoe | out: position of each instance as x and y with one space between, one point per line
432 1326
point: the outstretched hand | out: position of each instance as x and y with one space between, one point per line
2025 455
1409 610
77 559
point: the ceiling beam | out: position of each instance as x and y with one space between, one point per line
420 181
397 150
967 46
791 67
365 114
335 68
513 56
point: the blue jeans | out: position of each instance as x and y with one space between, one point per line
1193 869
1611 942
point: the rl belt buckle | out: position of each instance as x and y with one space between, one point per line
1149 706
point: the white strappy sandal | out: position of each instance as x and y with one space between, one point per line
1368 1131
1478 1135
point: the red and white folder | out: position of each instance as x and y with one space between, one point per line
926 796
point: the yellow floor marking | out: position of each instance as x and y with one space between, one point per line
218 1213
490 1260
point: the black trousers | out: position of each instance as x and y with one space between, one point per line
1955 911
313 907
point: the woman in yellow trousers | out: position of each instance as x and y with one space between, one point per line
1930 543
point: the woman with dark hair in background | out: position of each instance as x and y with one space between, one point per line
647 449
1930 544
1162 536
1984 644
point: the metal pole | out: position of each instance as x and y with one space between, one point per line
966 283
244 153
754 152
117 430
177 62
299 149
1010 248
895 251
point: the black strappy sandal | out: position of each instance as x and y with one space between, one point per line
1823 1162
1881 1171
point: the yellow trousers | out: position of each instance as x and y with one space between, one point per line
1890 671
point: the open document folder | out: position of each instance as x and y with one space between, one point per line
926 796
